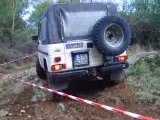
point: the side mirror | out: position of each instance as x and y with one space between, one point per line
35 38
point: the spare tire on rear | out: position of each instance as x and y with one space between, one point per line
111 35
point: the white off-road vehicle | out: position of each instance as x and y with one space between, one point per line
82 40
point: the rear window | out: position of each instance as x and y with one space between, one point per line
80 24
43 29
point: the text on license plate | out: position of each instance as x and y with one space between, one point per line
80 59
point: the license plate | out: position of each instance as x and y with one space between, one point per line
80 59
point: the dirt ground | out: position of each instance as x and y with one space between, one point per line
23 102
23 105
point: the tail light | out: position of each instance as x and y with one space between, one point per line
123 58
57 59
58 67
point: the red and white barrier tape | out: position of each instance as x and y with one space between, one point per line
81 100
13 61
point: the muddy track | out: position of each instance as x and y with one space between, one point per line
23 108
22 102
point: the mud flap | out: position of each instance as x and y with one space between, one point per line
60 86
118 76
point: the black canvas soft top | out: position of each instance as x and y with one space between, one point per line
63 22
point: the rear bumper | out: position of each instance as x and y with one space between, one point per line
77 74
111 68
70 75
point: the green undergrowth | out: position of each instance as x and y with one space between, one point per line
18 66
144 76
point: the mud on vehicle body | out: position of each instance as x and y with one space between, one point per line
82 40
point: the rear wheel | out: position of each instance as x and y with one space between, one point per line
40 71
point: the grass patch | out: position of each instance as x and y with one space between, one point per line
5 90
145 79
4 86
20 66
140 69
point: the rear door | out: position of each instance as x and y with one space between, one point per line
82 54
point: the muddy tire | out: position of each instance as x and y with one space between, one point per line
111 35
40 72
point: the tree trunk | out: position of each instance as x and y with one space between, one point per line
14 10
13 16
13 25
